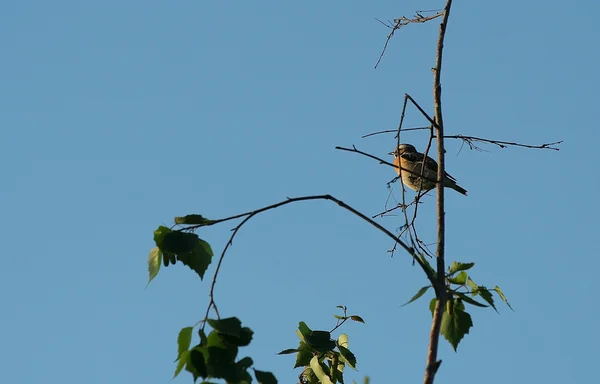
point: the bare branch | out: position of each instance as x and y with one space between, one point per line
402 22
248 215
439 286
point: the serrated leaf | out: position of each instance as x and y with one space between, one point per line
184 339
199 258
348 356
154 259
469 300
454 327
499 292
229 326
460 279
457 267
265 377
357 318
419 293
192 220
487 296
305 353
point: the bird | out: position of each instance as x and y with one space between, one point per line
407 157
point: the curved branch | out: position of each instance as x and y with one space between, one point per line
248 215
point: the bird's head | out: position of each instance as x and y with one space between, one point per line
403 148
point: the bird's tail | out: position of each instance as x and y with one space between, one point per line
458 188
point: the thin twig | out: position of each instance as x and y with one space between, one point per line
353 149
402 22
470 139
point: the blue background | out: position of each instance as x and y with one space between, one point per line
118 116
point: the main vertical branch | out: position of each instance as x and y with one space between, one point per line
440 289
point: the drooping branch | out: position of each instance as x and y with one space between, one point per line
250 214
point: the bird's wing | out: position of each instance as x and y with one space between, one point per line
416 157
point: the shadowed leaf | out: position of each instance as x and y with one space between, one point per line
348 356
469 300
192 220
265 377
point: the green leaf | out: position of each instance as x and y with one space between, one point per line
288 351
460 279
244 363
183 359
220 361
471 284
265 377
199 258
154 259
159 235
419 293
487 296
319 371
456 326
196 364
432 305
243 340
357 319
469 300
320 341
192 220
457 267
303 328
184 340
343 340
305 353
348 356
229 326
499 292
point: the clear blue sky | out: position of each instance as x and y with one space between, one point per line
118 116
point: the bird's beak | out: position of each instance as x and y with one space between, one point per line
393 153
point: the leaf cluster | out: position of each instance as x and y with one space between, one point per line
185 247
323 359
459 289
216 353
